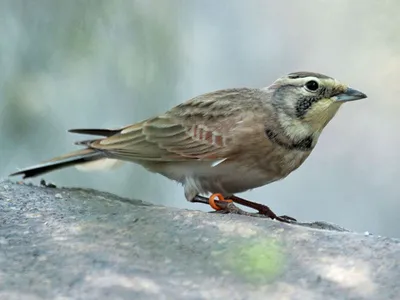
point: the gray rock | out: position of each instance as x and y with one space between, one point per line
59 243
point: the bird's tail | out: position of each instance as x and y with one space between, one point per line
85 159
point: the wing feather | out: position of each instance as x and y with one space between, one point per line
200 128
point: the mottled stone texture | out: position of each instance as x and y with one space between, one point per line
84 244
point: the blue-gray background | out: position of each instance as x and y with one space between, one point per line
105 63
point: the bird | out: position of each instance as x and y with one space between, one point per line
223 142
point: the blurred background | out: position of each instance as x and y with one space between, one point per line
105 63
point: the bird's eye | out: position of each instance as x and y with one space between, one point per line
312 85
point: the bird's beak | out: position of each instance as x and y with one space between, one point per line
349 95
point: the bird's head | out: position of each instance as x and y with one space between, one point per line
307 101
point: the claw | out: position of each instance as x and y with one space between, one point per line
287 218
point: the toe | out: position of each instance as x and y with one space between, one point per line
286 219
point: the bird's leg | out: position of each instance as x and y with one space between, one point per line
222 205
262 209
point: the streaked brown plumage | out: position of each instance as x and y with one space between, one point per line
227 141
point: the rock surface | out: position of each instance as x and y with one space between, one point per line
84 244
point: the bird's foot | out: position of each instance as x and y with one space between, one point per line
231 208
224 206
263 210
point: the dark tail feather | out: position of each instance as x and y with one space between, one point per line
70 159
101 132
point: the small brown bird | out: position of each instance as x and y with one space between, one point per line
224 142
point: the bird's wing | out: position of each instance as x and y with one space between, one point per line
200 128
